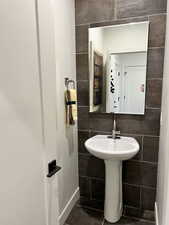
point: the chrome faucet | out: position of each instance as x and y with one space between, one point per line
114 131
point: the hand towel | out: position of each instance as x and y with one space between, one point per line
73 99
71 106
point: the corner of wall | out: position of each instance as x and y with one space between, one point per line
69 206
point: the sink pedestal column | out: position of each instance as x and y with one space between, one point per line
113 191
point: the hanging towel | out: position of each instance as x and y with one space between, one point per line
71 106
73 99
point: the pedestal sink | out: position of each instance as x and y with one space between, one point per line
113 152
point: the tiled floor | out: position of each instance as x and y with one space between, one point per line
82 216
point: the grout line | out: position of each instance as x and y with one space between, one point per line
121 19
154 78
139 186
82 81
80 130
143 161
158 14
108 132
160 47
143 135
152 108
140 198
94 178
80 53
130 134
125 183
131 160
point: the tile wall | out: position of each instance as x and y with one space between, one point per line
140 173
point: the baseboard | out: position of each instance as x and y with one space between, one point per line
156 214
69 206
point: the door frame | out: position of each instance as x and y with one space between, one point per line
47 76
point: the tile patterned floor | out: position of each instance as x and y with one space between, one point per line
83 216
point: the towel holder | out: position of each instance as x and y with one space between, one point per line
69 81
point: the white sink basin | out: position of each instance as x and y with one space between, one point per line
113 152
107 148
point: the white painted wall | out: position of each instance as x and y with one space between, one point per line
120 38
125 38
65 67
163 166
96 36
47 64
21 154
30 136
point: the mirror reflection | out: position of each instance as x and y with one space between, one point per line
117 68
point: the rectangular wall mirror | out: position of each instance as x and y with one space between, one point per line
117 68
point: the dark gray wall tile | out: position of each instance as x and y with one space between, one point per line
150 149
146 124
132 172
81 39
94 133
91 167
83 118
83 165
101 122
132 211
134 8
89 11
82 67
154 93
131 195
140 213
82 137
157 30
98 189
148 196
85 187
83 93
92 203
135 172
155 63
149 174
140 173
148 215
